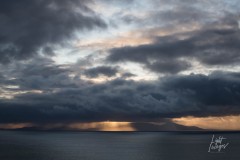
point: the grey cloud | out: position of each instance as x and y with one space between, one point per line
117 2
174 13
29 26
101 70
212 45
180 15
127 75
169 66
127 100
38 74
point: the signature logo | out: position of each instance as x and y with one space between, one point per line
217 144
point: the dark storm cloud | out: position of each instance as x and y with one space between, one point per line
169 66
209 95
28 26
38 74
125 100
101 70
215 44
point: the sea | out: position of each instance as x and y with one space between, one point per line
41 145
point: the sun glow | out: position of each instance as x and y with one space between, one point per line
102 126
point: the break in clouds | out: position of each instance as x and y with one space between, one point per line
191 48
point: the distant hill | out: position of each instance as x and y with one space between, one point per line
166 126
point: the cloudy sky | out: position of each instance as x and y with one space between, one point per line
120 65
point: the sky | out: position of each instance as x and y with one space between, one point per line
129 65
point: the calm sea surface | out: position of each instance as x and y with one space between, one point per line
18 145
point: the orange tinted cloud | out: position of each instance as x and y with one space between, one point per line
114 42
135 37
217 123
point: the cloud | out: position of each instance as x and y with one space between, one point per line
127 75
217 123
35 90
212 95
215 44
101 70
29 27
37 74
169 66
179 15
174 13
75 100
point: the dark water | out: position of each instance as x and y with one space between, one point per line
113 146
